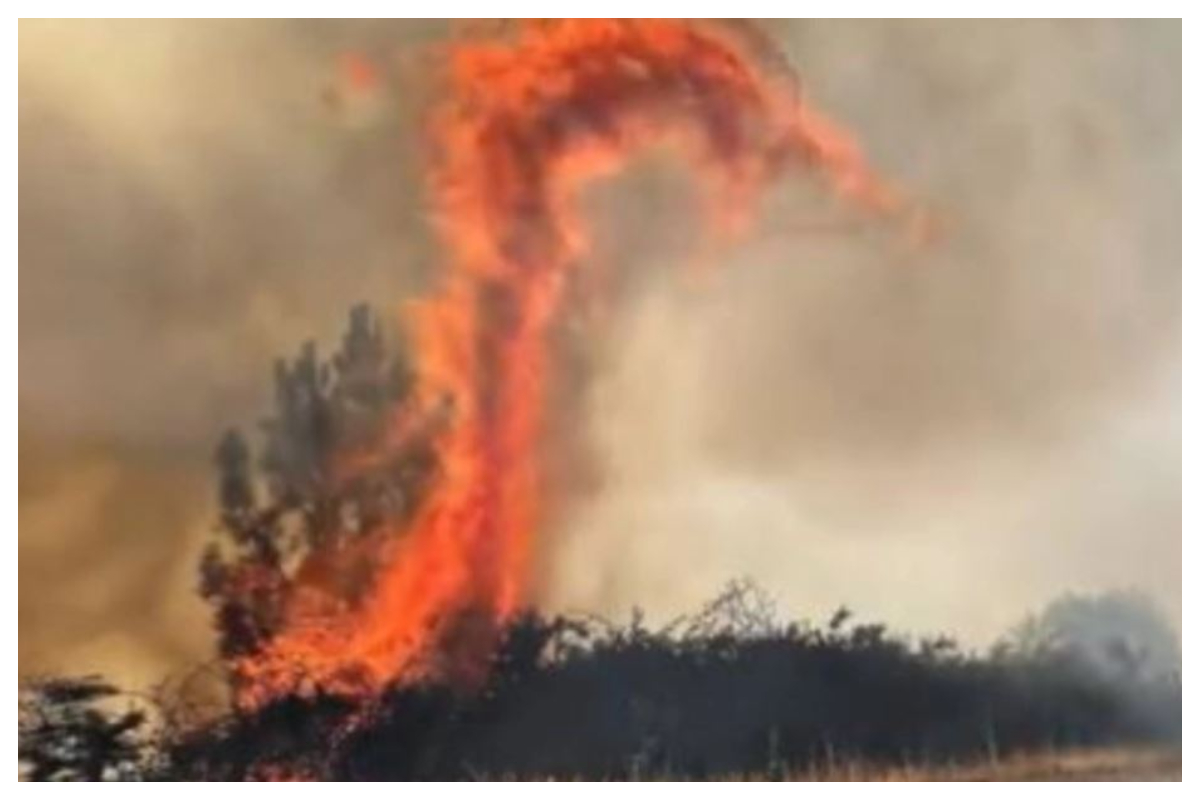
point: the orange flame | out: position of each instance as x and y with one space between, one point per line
526 123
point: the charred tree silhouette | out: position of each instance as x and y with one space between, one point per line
63 733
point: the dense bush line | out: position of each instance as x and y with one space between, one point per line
725 691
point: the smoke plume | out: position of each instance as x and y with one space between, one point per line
940 436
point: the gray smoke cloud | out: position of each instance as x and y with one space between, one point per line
941 437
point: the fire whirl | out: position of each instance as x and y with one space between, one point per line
527 122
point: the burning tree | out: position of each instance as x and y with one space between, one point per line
295 516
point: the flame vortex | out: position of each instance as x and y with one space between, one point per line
525 124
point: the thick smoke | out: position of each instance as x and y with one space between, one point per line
196 200
942 437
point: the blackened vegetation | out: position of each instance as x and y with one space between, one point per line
727 690
65 733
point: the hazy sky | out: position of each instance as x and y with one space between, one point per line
940 438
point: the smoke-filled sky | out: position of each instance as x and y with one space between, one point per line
941 437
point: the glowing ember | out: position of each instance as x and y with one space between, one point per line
525 125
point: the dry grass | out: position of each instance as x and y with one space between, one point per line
1090 764
1099 764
